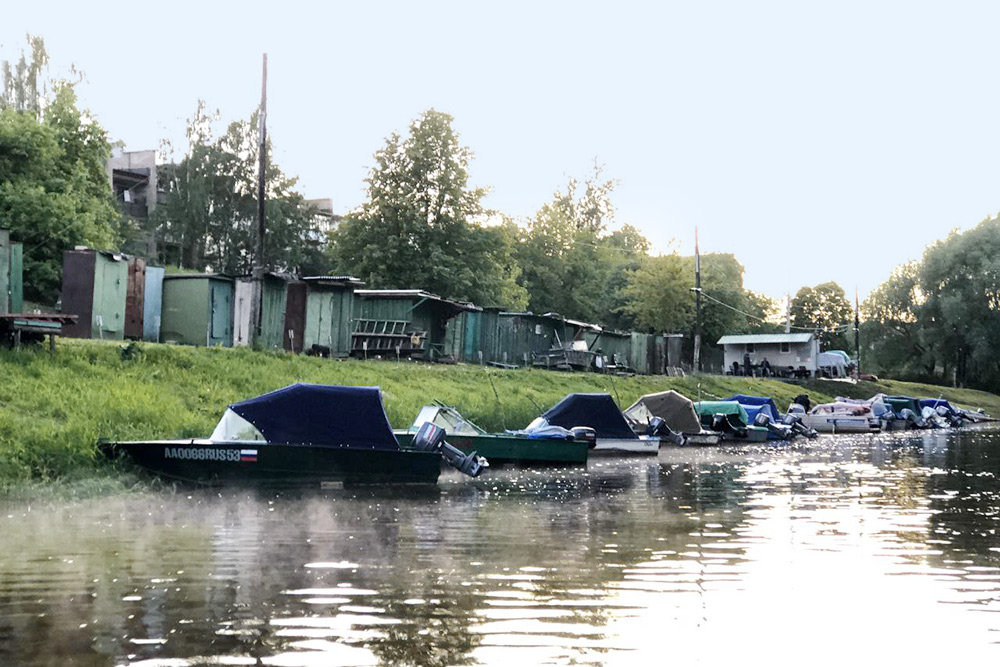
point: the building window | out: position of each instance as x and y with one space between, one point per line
750 347
786 347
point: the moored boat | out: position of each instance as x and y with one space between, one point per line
842 418
600 413
729 419
678 414
498 447
302 434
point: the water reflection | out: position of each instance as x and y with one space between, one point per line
821 551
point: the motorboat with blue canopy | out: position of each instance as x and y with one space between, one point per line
302 434
755 405
762 412
600 413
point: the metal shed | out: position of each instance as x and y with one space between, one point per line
410 323
615 345
272 320
524 335
94 287
152 304
318 315
473 336
11 267
197 309
134 293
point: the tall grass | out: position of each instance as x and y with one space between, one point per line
53 410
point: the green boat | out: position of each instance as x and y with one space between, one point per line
730 419
496 447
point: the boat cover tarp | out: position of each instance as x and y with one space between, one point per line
598 411
315 414
756 404
937 403
898 403
708 409
675 409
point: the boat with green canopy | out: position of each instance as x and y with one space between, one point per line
466 436
729 418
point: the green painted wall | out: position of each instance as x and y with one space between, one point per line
272 319
4 271
611 345
110 287
197 311
521 335
329 311
16 278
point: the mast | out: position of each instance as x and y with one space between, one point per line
697 304
257 299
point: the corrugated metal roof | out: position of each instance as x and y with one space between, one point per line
755 339
413 294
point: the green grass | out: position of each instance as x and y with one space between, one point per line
53 410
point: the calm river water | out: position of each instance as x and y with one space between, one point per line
858 550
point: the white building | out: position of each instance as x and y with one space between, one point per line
786 353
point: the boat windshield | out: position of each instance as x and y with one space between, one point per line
449 419
233 427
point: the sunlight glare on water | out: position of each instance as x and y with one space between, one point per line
862 548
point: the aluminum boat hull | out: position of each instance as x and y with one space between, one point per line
252 462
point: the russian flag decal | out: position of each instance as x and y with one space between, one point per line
248 456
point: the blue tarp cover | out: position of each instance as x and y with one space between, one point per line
598 411
755 404
315 414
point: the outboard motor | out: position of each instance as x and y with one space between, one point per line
658 429
722 424
955 420
585 433
794 422
781 431
911 418
430 438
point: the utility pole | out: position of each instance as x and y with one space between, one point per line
257 299
857 330
788 312
697 304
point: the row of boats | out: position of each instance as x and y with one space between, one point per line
340 435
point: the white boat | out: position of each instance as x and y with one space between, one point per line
642 444
842 418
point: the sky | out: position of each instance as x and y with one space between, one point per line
815 141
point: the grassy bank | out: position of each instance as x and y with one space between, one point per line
53 410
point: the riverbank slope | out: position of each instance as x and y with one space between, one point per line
53 410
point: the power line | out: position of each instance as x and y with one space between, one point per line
840 328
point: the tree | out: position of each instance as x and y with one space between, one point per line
826 309
891 335
571 263
959 281
422 225
24 88
660 296
764 312
208 220
54 192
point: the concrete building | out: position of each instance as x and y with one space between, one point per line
134 181
787 354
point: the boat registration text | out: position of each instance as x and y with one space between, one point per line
211 454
